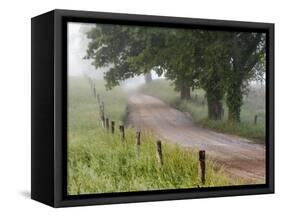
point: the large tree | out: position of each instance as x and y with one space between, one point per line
212 63
188 58
219 62
247 52
130 51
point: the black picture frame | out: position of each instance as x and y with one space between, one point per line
49 106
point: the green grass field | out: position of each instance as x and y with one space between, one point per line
99 162
254 104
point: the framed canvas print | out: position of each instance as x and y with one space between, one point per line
131 108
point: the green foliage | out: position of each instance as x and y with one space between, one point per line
221 63
247 52
98 162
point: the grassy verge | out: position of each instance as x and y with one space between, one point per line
99 162
254 104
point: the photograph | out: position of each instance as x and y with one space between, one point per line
153 108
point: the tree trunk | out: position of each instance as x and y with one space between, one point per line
233 114
215 107
188 95
234 100
185 92
148 77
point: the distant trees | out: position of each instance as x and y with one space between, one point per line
221 63
147 77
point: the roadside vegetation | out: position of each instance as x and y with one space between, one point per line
254 104
99 162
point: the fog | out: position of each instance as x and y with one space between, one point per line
76 50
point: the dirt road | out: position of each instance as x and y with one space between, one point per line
241 157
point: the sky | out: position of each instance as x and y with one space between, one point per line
76 50
77 46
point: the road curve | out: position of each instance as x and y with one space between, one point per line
240 157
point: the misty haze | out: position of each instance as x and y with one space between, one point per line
154 108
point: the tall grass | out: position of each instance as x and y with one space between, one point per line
254 104
99 162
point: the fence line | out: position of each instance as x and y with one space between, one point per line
105 124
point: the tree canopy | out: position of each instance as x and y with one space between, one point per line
222 63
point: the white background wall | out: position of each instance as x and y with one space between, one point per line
15 106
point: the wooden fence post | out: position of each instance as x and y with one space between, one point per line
159 151
94 89
138 134
112 127
256 119
98 98
102 106
102 120
102 112
202 166
122 133
107 124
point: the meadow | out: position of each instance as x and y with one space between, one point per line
99 162
254 104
